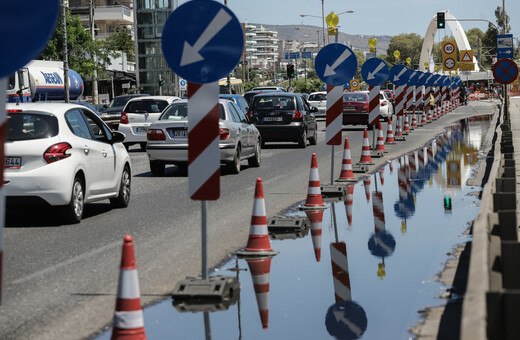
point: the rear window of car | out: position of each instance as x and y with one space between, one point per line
177 111
355 97
273 103
146 106
317 97
27 126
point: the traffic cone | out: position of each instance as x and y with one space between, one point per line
316 218
406 129
414 120
349 200
423 116
365 150
347 174
398 129
430 114
366 184
380 143
260 269
314 200
389 133
128 316
258 243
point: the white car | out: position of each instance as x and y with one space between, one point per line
318 100
386 108
63 155
168 138
138 114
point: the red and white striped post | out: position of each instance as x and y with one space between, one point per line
374 108
399 110
334 121
426 104
436 99
3 137
378 211
418 105
443 100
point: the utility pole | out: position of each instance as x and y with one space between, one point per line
228 77
95 94
64 5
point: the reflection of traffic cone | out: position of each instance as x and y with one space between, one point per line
365 150
366 184
430 114
128 317
314 200
382 176
347 174
389 133
349 200
380 144
258 243
339 261
260 270
391 167
316 218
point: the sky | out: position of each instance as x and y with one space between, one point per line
374 17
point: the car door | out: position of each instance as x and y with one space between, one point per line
252 132
241 127
308 117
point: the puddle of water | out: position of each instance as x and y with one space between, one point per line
365 276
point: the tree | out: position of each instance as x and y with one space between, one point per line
121 40
490 38
409 45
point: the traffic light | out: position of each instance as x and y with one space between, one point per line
447 203
441 21
290 71
161 81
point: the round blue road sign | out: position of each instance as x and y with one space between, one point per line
381 244
375 71
437 80
346 320
430 79
399 75
202 41
336 64
26 27
446 81
421 78
413 78
505 71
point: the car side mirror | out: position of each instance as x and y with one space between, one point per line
118 137
314 109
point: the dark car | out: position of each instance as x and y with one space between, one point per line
355 109
112 113
283 117
250 94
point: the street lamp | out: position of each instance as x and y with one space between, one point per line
323 18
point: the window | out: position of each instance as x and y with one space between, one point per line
234 114
97 129
77 124
27 126
175 112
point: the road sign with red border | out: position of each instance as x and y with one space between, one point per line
505 71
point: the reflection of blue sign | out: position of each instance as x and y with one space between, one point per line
381 244
26 28
202 41
336 64
504 46
404 208
375 71
346 320
430 79
294 55
399 75
307 55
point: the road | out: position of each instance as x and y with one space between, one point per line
60 281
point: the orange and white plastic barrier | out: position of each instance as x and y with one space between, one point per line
380 143
347 174
389 133
340 272
349 201
260 271
365 150
314 199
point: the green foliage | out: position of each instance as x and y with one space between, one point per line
121 40
409 45
311 85
490 37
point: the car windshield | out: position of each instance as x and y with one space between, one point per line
273 103
146 106
317 97
355 97
27 126
178 111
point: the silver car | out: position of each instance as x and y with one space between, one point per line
168 138
318 100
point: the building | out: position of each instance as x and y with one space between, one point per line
261 47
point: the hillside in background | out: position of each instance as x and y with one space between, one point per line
308 33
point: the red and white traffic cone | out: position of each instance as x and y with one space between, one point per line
406 129
424 120
347 174
430 114
316 219
258 243
414 120
260 270
380 143
349 200
314 199
366 184
128 316
389 133
365 150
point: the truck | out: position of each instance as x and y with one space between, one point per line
43 80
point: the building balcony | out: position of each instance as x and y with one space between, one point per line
116 15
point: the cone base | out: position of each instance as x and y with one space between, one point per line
389 142
312 207
346 180
256 253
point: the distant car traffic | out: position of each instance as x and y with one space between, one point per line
168 138
64 155
248 96
284 117
138 114
275 88
90 106
111 113
355 109
237 99
385 106
319 100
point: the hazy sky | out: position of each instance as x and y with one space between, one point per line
373 17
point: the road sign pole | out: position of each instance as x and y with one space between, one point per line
204 239
373 110
333 122
3 135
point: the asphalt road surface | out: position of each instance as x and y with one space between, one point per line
60 281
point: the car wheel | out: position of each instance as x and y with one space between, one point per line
122 200
302 143
314 139
157 168
73 212
256 159
234 166
143 146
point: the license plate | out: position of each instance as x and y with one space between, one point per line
349 108
141 129
13 162
272 119
178 133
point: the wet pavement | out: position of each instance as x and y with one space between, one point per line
361 269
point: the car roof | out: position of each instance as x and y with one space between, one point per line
318 92
221 101
278 93
132 95
154 97
45 106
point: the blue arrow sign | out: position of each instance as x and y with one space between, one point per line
421 78
26 28
346 320
504 46
202 41
413 78
336 64
381 244
399 75
430 79
375 71
438 80
446 81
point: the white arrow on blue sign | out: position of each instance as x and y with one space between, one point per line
504 46
430 79
375 71
336 64
399 75
421 78
202 41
